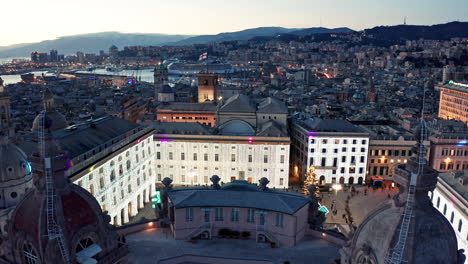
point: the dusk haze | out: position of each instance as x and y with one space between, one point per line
234 132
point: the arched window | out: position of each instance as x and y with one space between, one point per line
112 175
137 158
129 164
438 202
138 181
120 169
84 243
460 224
129 188
91 189
445 209
452 216
101 182
30 254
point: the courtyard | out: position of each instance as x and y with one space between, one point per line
154 245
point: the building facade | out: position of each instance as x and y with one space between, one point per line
189 154
335 148
453 102
386 154
112 159
258 212
450 198
203 113
449 145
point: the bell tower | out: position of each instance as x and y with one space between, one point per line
207 87
6 125
160 79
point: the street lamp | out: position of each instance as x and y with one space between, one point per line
337 187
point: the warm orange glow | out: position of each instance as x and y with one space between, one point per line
324 235
448 160
150 224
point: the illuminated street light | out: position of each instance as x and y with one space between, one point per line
337 187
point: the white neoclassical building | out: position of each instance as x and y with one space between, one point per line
336 149
450 198
191 153
113 159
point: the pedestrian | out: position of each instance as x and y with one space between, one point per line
344 216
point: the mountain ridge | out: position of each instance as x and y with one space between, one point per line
93 42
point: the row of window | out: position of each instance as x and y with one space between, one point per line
324 150
383 161
451 166
216 147
324 163
454 152
452 215
389 152
235 216
337 141
216 157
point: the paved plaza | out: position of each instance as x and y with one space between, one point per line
153 245
364 201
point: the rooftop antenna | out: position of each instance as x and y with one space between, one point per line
54 231
396 255
404 21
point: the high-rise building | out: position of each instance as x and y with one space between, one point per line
81 57
453 102
207 87
114 54
54 56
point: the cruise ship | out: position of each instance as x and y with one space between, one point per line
181 68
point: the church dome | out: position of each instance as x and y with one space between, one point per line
82 221
430 238
14 164
54 121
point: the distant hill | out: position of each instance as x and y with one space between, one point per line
320 30
411 32
238 35
91 43
257 33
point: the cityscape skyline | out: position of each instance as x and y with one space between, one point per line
182 17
